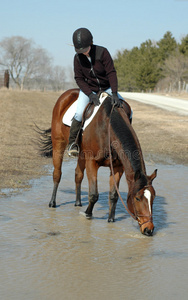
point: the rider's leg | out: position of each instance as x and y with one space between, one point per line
83 100
109 91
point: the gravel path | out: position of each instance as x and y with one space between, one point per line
179 106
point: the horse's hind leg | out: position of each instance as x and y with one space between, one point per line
113 195
58 151
91 169
79 174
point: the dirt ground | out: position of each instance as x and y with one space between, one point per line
163 135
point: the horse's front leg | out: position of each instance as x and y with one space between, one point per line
79 174
92 169
58 151
113 195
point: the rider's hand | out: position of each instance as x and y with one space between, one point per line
115 100
94 99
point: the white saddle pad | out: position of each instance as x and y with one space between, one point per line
67 118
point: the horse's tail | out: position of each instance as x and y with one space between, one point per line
44 142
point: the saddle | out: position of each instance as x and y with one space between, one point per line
88 114
90 111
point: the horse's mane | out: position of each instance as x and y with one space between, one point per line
127 138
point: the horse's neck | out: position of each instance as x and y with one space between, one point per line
127 146
125 142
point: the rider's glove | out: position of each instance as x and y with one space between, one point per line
94 99
115 100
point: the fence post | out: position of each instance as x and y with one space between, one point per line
6 79
179 86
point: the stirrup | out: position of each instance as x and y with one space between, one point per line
73 150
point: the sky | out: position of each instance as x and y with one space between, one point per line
114 24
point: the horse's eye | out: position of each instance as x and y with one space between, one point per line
137 199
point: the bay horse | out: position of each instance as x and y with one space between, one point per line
124 150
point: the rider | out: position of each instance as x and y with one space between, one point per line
93 71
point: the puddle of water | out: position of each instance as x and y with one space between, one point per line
58 254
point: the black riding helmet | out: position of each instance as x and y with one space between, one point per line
82 39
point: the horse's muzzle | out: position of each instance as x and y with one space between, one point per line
147 228
148 232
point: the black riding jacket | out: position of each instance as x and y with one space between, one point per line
97 75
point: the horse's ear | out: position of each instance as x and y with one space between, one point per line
137 175
152 176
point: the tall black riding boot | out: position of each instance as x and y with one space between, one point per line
73 149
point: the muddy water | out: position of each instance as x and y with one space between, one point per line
57 254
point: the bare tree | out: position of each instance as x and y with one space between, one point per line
57 78
176 69
23 59
71 83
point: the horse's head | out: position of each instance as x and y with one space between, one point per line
140 204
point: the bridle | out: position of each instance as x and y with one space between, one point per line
138 216
135 216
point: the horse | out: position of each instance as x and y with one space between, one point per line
110 141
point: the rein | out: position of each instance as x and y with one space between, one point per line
135 216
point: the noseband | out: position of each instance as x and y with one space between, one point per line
135 216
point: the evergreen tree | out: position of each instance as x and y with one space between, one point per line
167 45
183 47
126 64
140 69
148 72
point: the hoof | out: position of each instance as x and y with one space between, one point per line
78 204
53 205
87 216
